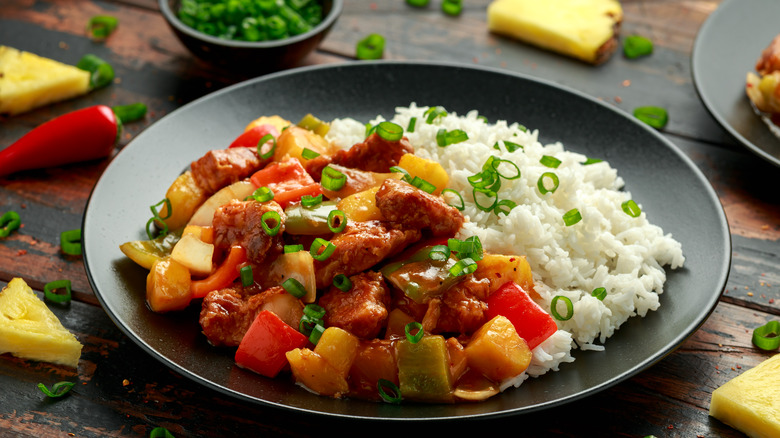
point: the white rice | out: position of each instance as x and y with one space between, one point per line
607 248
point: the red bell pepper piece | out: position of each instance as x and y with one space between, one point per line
223 277
264 345
251 137
288 180
531 322
81 135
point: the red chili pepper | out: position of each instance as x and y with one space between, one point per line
81 135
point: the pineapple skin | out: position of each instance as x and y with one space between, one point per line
582 29
29 330
29 81
750 402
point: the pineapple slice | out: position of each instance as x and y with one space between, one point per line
583 29
28 81
750 402
28 329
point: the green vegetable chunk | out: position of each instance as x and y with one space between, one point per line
423 369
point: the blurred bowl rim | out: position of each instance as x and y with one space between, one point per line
327 21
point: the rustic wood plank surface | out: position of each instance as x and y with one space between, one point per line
122 391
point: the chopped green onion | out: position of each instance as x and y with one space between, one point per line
310 201
156 218
471 248
130 113
433 113
316 333
423 185
263 194
102 73
451 7
260 143
292 248
294 287
486 178
314 311
317 245
160 432
599 293
337 221
70 242
406 177
309 154
569 308
247 279
370 129
342 282
332 179
10 221
441 137
494 163
371 47
463 267
390 131
767 337
167 203
412 123
439 253
571 217
510 146
504 206
589 161
635 46
654 116
462 205
58 291
101 26
631 209
446 138
275 218
57 390
388 390
483 118
549 161
543 188
417 3
483 196
419 332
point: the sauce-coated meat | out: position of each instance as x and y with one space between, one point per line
375 154
402 203
218 168
461 308
360 246
240 223
770 58
362 310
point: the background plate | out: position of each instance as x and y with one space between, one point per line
727 47
652 167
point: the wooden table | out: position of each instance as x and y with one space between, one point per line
123 391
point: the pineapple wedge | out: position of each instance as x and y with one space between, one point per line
583 29
28 329
750 402
28 81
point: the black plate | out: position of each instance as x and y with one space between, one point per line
652 167
727 47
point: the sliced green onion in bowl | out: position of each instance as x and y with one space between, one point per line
452 7
767 337
554 309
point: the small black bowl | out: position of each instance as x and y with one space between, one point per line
261 56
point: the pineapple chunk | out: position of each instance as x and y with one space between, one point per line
583 29
497 351
28 81
28 329
750 402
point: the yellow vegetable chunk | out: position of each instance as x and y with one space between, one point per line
194 254
497 351
294 139
339 348
29 330
396 322
204 215
750 402
431 171
361 206
168 286
298 265
313 371
582 29
276 121
185 196
499 269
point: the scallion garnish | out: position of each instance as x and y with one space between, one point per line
390 131
370 47
415 327
767 337
58 291
332 179
418 3
654 116
101 72
313 315
463 267
485 199
569 308
320 243
342 282
406 177
571 217
294 287
422 184
130 113
439 253
57 390
100 27
316 333
630 208
314 311
247 279
292 248
462 205
510 146
308 154
337 221
635 46
275 219
156 218
160 432
451 7
388 390
589 161
486 178
433 113
600 293
540 184
446 138
309 201
70 242
412 123
260 143
263 194
10 221
504 206
495 162
550 161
